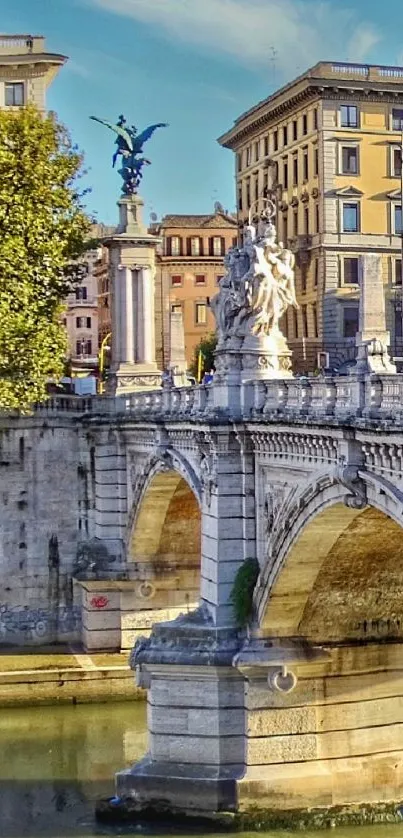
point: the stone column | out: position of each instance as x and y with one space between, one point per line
132 267
128 313
146 316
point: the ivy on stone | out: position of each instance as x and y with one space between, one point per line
43 232
242 591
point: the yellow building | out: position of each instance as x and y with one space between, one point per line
189 265
26 70
327 146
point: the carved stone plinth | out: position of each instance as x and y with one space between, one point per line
373 338
265 358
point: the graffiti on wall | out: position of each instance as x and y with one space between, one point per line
20 622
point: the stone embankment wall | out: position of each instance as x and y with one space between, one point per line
46 490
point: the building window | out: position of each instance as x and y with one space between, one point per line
295 130
396 162
304 312
315 321
285 228
248 194
257 152
350 270
285 135
316 273
84 347
304 275
398 323
295 314
256 187
349 160
248 156
315 119
285 172
219 278
81 293
83 322
239 161
265 183
217 246
201 314
306 221
351 218
350 321
275 140
14 94
266 146
349 116
397 119
295 222
317 219
398 272
176 281
295 170
195 249
200 279
305 164
397 219
305 124
316 161
174 246
240 203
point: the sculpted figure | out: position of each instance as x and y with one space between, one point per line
226 303
258 286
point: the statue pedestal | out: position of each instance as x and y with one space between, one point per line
373 339
132 270
265 358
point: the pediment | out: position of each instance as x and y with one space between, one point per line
348 192
395 195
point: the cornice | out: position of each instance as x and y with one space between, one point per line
330 91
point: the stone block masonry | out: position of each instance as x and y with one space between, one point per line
45 509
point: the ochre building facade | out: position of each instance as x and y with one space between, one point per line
26 70
189 266
327 148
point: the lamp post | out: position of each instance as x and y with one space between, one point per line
102 350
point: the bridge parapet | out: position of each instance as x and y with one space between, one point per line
345 399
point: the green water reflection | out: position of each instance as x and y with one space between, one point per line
56 761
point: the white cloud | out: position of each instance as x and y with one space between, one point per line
362 42
302 31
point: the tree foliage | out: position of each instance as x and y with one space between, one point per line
43 230
207 347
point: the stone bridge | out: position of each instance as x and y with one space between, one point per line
304 708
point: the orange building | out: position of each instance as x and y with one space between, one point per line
189 266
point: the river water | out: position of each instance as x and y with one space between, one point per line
56 761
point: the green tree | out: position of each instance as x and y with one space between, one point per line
43 231
207 347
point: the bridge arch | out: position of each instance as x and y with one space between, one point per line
333 572
164 538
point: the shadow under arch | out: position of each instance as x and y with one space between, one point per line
341 579
164 545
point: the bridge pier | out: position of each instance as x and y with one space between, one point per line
195 720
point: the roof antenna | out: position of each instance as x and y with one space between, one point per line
274 56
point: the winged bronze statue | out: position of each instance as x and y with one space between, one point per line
130 149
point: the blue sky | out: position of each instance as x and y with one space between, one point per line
196 64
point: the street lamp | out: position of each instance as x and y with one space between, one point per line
104 346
